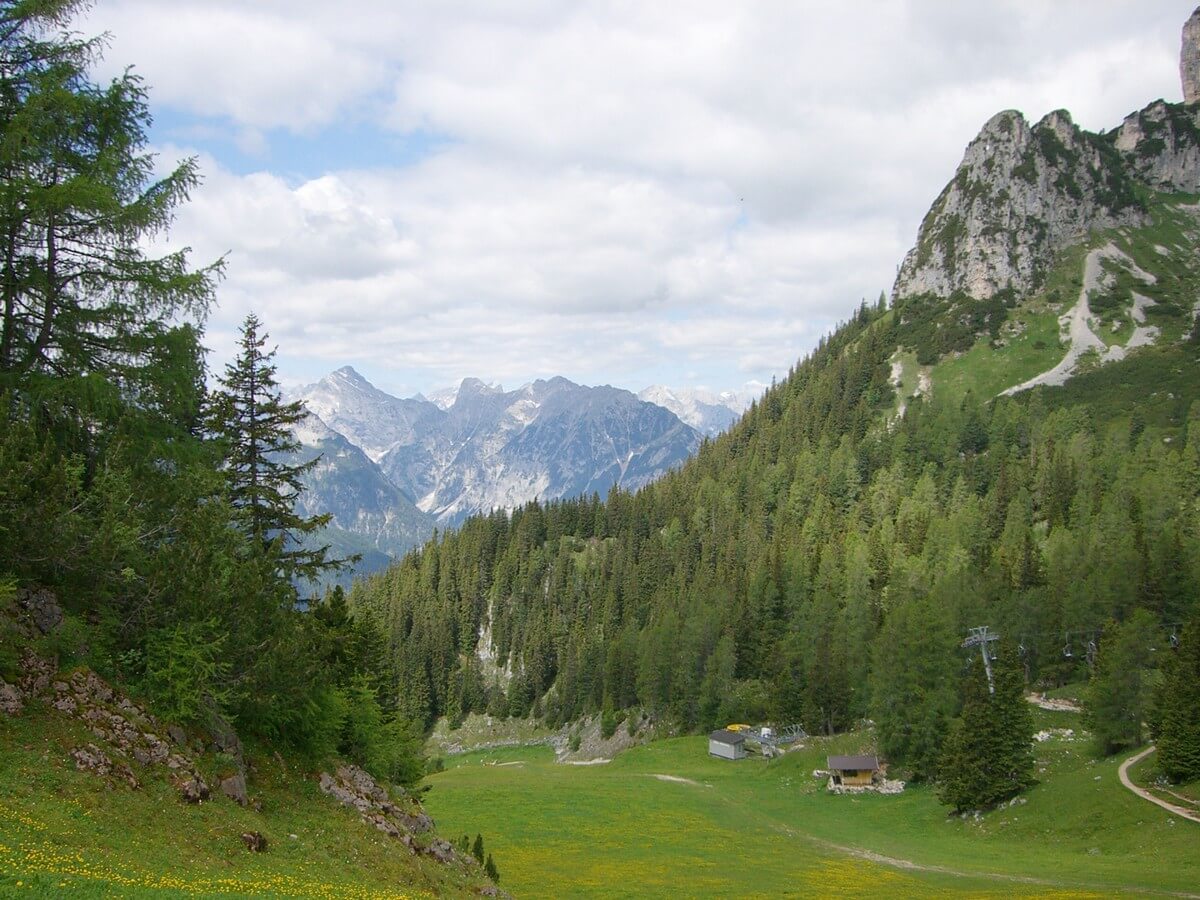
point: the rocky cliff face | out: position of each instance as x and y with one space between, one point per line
1189 59
1024 194
1020 196
1161 146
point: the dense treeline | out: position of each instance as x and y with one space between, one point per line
157 510
816 564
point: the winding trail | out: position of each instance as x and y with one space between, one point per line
1123 772
1083 338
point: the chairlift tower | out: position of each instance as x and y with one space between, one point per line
982 637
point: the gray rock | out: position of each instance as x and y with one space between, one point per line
254 841
1158 145
11 699
1189 59
177 735
234 787
42 607
193 789
440 850
1020 196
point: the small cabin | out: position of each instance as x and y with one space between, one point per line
853 771
727 744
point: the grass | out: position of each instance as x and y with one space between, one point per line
986 371
64 831
753 828
1145 774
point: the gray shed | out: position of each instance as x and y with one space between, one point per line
727 744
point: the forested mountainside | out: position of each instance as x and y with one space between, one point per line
151 639
822 560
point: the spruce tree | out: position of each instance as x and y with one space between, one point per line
1116 700
1179 709
253 423
912 681
477 848
491 870
987 756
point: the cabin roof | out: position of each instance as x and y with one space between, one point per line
727 737
843 763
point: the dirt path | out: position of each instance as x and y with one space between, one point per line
1083 338
1145 794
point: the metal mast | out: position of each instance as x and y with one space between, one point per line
983 636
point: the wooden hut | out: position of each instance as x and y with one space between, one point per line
853 771
727 744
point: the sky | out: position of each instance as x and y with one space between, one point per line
625 193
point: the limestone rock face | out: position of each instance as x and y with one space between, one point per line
1161 146
1021 195
1189 59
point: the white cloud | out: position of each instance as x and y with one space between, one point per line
628 189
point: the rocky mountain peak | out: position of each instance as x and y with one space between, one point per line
1189 59
1021 194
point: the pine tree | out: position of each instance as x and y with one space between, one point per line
913 696
254 424
1179 709
491 870
987 757
477 848
1116 701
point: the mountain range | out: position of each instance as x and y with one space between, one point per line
392 470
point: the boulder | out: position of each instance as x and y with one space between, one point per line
254 841
193 789
177 735
234 787
90 758
42 607
440 850
11 701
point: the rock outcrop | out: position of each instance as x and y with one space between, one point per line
1189 59
1020 196
129 731
401 819
1160 146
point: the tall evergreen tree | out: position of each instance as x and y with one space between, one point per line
913 695
1117 697
987 756
253 423
81 301
1179 709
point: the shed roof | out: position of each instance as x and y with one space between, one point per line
727 737
842 763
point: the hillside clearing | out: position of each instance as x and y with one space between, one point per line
767 827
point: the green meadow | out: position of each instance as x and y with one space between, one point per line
666 819
70 833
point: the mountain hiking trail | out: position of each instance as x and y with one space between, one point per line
1123 772
1078 322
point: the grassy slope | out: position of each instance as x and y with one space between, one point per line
756 829
1146 774
64 831
986 370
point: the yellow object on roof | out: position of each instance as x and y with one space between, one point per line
737 727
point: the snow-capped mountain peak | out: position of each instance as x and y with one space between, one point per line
708 412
